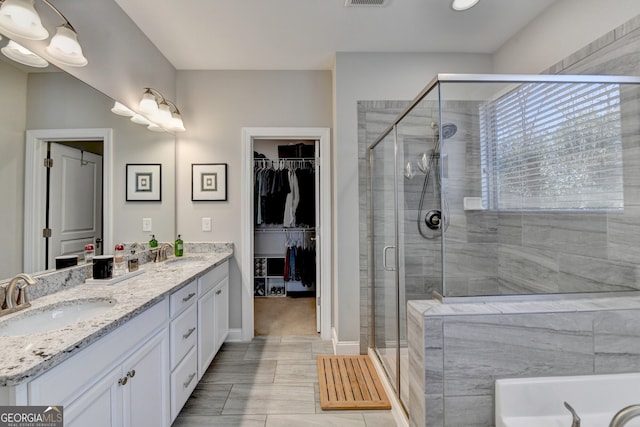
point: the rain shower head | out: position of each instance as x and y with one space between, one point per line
448 130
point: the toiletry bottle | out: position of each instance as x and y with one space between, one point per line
133 261
153 243
178 246
119 266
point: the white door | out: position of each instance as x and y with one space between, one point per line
75 201
318 242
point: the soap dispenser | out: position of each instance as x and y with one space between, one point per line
153 243
178 247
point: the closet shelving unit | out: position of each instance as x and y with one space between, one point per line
269 259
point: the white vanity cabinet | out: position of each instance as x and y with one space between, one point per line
141 373
120 380
213 314
184 340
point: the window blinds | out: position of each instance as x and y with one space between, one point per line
553 146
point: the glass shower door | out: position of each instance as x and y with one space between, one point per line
383 256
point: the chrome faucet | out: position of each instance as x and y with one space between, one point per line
574 414
16 301
625 415
137 245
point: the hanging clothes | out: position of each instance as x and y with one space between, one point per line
284 194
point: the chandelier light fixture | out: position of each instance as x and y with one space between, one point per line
154 111
19 19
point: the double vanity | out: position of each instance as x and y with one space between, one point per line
130 353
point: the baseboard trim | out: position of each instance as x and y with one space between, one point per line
399 415
235 335
344 347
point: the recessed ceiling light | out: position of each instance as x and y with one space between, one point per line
460 5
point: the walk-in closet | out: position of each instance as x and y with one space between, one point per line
285 218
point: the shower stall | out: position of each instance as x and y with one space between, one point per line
496 185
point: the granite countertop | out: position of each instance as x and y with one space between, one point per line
26 356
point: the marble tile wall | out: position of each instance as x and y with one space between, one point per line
462 354
510 252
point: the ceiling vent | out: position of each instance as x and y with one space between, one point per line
366 3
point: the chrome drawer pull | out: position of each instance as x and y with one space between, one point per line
191 377
188 297
188 334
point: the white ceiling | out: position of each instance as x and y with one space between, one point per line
306 34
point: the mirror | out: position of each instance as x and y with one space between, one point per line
38 99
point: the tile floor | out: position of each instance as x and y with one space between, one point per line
269 382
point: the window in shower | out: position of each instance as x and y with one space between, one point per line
553 146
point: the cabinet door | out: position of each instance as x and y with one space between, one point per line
221 312
206 331
146 392
100 406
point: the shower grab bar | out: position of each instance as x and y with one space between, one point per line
384 258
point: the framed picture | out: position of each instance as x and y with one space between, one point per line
144 182
209 181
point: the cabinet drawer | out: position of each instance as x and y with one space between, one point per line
212 278
182 298
184 334
183 381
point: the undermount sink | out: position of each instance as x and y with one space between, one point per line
186 260
55 316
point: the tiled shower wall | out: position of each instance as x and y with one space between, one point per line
507 253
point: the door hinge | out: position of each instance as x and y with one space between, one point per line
48 163
46 232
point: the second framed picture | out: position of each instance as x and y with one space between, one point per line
209 181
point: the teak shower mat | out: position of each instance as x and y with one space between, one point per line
350 382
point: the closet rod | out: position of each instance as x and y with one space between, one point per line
265 159
280 230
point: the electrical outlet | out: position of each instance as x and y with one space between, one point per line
206 224
146 224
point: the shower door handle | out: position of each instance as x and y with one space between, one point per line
384 258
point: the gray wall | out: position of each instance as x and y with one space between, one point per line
216 106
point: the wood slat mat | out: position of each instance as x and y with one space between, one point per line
350 382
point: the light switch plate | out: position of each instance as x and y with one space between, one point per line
206 224
146 224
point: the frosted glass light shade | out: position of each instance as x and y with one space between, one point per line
463 4
19 18
163 116
122 110
155 128
21 54
148 104
176 124
141 120
64 48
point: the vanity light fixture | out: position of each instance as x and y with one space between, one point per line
19 18
154 111
160 111
460 5
22 55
